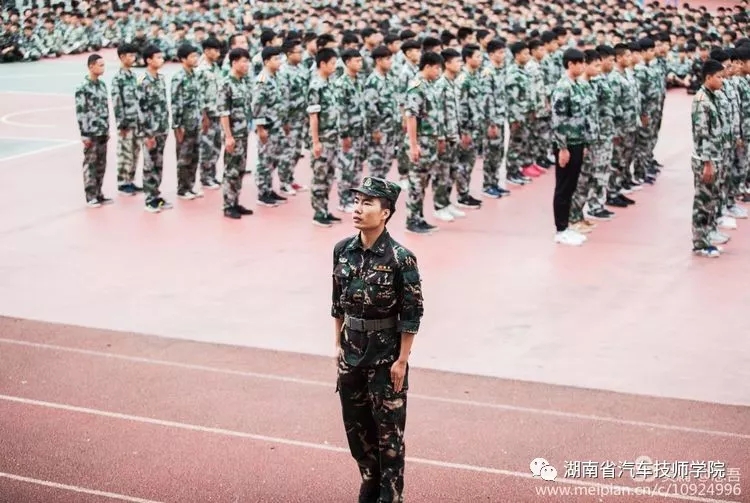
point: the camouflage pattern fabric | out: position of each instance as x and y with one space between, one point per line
126 107
520 114
209 81
268 110
293 81
448 94
235 103
380 97
472 116
496 115
92 115
154 117
586 183
352 124
321 100
186 114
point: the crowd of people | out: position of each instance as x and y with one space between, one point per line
434 88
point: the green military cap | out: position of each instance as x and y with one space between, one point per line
378 187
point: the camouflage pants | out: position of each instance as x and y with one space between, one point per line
519 155
705 205
291 152
467 158
350 167
735 172
446 174
234 171
94 166
541 138
419 178
323 171
641 151
382 154
622 157
493 159
128 150
374 417
269 158
601 159
153 167
187 160
402 159
210 149
585 182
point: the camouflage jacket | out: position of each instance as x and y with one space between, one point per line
380 99
294 81
186 101
125 99
494 84
208 77
235 103
92 108
407 73
624 103
605 106
649 88
448 93
472 111
322 100
353 111
518 90
268 102
376 283
743 90
571 105
422 103
154 108
708 143
539 98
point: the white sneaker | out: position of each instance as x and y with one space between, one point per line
444 214
569 237
737 212
717 238
288 190
455 211
727 222
580 235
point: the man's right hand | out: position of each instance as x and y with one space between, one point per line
563 157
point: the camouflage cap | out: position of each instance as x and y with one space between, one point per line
378 187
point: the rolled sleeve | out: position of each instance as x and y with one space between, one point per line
411 302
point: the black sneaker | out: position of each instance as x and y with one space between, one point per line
126 189
502 191
232 212
267 200
104 200
321 221
278 198
601 214
242 210
626 199
333 219
152 206
474 200
417 228
468 202
136 188
616 202
429 227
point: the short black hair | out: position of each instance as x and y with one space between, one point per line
380 52
572 56
469 50
126 48
269 52
92 59
348 54
430 59
150 51
449 54
711 67
494 45
324 56
238 53
185 50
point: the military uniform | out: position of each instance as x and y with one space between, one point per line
601 147
209 79
154 123
383 117
377 293
269 112
92 114
187 115
235 103
293 80
448 93
520 114
626 117
494 84
472 117
352 123
588 168
125 105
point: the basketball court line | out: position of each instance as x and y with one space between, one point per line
5 119
77 489
40 150
40 75
324 447
35 93
453 401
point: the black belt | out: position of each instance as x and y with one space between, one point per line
362 325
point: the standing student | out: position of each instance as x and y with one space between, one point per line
125 105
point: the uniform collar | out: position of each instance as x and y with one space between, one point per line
378 248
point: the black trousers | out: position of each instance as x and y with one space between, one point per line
566 180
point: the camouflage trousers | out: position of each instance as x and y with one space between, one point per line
734 174
643 151
350 167
601 161
467 158
445 175
291 152
541 138
705 205
419 178
153 167
187 160
374 417
234 171
382 154
519 154
128 150
323 174
403 161
210 149
269 158
94 166
493 159
622 158
585 182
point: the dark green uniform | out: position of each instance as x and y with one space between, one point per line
378 293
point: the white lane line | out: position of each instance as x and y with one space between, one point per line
310 382
5 119
41 75
40 93
324 447
38 150
77 489
35 138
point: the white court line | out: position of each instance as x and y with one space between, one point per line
38 150
77 489
38 138
310 382
322 447
39 93
40 75
5 119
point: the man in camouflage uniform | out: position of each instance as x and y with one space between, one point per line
409 70
539 127
154 127
473 124
92 114
125 105
708 147
323 109
383 117
235 112
377 306
494 84
743 89
294 80
520 115
425 133
269 112
188 120
649 87
208 77
352 127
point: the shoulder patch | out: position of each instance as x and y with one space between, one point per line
415 83
261 77
700 96
487 72
141 78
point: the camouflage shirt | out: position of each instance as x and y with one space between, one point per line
448 94
125 99
624 103
352 113
208 77
520 95
153 104
268 102
186 101
494 84
743 90
473 98
382 282
294 80
380 96
605 106
322 100
708 144
92 108
235 103
422 103
571 106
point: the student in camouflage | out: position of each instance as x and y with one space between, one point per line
208 75
539 127
235 112
497 104
383 116
473 123
154 127
92 115
377 306
520 114
271 123
188 120
294 80
708 153
322 107
352 128
124 95
409 71
649 87
425 130
743 88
